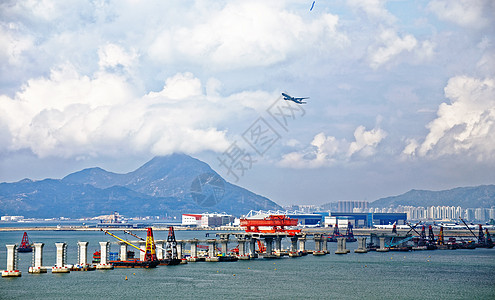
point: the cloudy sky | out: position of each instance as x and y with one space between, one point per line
402 93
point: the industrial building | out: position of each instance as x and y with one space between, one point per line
207 220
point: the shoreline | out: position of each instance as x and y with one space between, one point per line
357 231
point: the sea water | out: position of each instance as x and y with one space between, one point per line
440 274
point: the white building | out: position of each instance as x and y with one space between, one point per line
12 218
192 220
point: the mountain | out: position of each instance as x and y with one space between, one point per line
466 197
170 185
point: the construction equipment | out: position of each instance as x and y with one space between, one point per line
261 247
349 235
275 223
25 244
336 234
150 260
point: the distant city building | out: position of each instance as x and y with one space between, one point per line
193 220
12 218
207 220
349 205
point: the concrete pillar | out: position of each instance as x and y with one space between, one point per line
61 254
11 257
11 262
382 245
278 244
224 246
160 246
38 254
252 248
293 243
324 242
194 248
83 253
361 245
123 251
302 244
212 248
269 245
142 246
242 246
37 266
104 247
180 249
317 238
341 246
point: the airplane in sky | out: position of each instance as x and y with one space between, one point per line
296 100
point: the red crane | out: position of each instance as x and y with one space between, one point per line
276 223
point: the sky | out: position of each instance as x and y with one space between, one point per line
402 93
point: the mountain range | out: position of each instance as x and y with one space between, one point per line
466 197
171 185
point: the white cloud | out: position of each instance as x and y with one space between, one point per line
467 13
112 55
374 9
464 127
327 150
389 46
70 115
246 34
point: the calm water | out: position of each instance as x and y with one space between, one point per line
457 274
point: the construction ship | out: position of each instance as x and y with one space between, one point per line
150 260
25 244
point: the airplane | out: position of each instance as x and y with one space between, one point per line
295 99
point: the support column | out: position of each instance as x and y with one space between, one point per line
269 246
142 246
278 245
123 251
194 250
83 253
60 266
159 249
180 249
341 246
382 245
212 251
302 245
361 245
104 250
11 262
324 241
318 242
37 266
293 247
252 248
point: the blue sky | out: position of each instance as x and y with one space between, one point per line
402 92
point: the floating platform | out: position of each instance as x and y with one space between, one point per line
104 267
135 264
170 262
38 270
14 273
60 270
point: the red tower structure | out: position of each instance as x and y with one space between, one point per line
25 244
150 252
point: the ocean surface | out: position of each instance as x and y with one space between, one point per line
440 274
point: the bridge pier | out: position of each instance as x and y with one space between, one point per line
302 245
160 248
341 246
293 247
252 248
11 262
318 242
212 251
278 246
361 245
194 250
37 259
142 246
123 251
382 245
60 265
82 254
104 250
